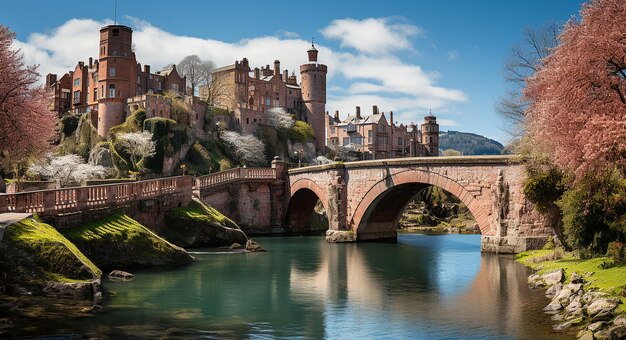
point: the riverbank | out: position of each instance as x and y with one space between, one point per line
588 295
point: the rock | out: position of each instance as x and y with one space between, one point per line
602 335
553 277
554 305
568 324
620 320
340 236
585 335
558 317
554 290
82 290
588 297
617 332
93 309
596 326
252 246
574 307
602 307
235 246
535 281
121 275
576 278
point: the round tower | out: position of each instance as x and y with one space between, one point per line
313 77
117 75
430 135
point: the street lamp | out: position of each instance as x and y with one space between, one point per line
297 154
217 129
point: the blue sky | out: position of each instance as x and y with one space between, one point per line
404 56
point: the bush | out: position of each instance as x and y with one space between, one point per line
594 211
615 250
302 132
544 187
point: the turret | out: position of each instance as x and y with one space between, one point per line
313 77
117 75
430 135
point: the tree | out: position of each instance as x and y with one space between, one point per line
68 170
248 149
196 70
451 152
26 124
138 145
524 60
578 98
279 118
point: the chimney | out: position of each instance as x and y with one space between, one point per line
358 112
257 73
51 78
285 75
146 69
81 64
391 118
276 68
244 62
375 110
90 62
336 117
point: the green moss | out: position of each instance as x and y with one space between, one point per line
302 132
134 123
202 212
82 140
609 280
55 256
118 240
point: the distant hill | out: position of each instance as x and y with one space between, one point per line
469 143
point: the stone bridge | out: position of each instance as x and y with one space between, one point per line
364 200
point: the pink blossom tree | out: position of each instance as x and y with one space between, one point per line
578 98
26 124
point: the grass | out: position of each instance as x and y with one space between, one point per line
610 280
202 212
118 239
54 255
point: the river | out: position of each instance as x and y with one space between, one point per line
422 287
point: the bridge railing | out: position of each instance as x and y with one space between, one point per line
56 201
233 175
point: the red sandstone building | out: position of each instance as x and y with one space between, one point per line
105 88
373 137
249 94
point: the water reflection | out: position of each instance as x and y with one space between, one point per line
421 287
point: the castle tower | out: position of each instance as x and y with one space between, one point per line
313 77
430 135
117 75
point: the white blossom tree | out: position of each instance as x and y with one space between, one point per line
68 170
248 149
279 118
138 145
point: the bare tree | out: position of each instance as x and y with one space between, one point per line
197 71
524 61
279 118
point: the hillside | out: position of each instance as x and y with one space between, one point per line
469 143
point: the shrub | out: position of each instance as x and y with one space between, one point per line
302 132
544 187
615 250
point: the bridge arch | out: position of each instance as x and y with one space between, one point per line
377 214
304 194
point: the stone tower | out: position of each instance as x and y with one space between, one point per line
117 75
430 135
313 77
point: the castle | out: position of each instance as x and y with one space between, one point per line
113 85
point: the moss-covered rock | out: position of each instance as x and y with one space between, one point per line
121 242
33 254
200 225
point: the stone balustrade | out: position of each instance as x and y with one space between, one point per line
232 175
58 201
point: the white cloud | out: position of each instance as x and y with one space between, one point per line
353 79
372 35
447 122
453 55
287 34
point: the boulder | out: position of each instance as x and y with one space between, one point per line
554 290
574 307
554 306
602 335
235 246
535 281
77 290
620 320
589 296
618 332
340 236
120 275
596 326
585 335
576 278
553 277
254 247
602 307
568 324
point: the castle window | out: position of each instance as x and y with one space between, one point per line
346 141
116 32
268 101
175 87
111 71
247 120
111 91
276 103
95 94
369 135
76 81
138 80
431 139
333 130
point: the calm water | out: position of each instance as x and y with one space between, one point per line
423 287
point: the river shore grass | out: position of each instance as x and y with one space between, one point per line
607 276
